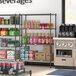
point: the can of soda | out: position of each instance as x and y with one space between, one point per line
0 66
2 21
3 66
8 65
14 65
20 65
6 21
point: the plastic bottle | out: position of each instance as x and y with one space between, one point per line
39 38
52 41
31 38
28 38
47 38
35 24
43 38
38 24
26 24
29 24
24 40
32 24
35 39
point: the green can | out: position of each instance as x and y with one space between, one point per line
2 21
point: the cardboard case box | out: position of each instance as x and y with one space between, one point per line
49 56
42 56
46 49
37 57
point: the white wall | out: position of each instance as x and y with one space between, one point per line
37 6
70 12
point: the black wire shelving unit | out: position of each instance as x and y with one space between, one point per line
17 72
50 29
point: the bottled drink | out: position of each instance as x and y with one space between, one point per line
52 41
35 39
29 24
39 38
26 24
24 40
32 24
31 38
38 24
43 38
47 38
35 24
28 38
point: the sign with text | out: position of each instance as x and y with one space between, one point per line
22 2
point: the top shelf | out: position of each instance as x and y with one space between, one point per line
9 24
40 28
37 14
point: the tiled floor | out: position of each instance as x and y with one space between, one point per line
39 70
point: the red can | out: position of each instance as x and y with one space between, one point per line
3 66
31 52
14 65
8 66
0 66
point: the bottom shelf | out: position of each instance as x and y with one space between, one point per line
38 61
16 73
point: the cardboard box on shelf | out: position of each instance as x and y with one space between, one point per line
49 56
2 56
42 56
10 53
3 52
37 57
10 57
46 49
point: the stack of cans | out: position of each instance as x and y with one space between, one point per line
11 67
24 54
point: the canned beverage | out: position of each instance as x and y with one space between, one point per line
2 21
31 55
26 55
8 65
31 58
0 66
3 66
6 21
22 56
26 58
14 65
26 52
31 52
22 52
20 65
22 48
